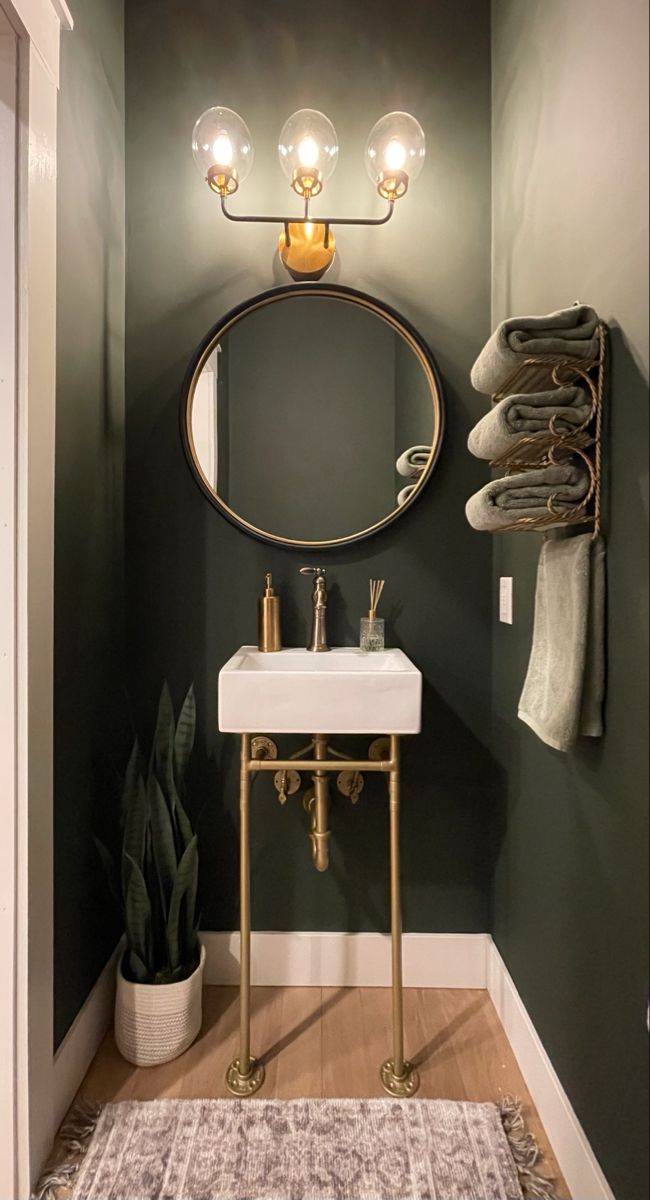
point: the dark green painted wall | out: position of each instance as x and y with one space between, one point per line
88 569
192 579
571 222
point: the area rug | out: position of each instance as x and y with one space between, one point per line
297 1150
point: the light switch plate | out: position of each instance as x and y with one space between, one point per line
505 599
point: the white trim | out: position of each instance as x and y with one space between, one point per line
26 1141
578 1163
83 1039
8 654
35 559
63 13
443 960
40 22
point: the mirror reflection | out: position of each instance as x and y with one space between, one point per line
313 418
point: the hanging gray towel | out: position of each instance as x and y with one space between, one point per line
563 693
571 332
526 494
412 462
527 415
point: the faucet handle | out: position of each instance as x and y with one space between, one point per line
312 571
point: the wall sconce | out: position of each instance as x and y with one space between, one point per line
308 150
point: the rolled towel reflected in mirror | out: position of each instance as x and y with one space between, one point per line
412 462
568 333
528 415
526 494
405 494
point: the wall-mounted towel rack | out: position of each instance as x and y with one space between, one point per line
556 447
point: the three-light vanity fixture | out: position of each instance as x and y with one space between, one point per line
308 151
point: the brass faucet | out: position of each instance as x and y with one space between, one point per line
318 640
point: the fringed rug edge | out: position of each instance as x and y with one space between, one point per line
525 1152
72 1143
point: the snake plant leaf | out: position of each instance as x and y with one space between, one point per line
163 743
162 837
184 889
108 863
158 903
182 972
183 823
137 913
137 968
135 829
129 787
189 923
184 738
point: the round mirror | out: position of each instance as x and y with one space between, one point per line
312 415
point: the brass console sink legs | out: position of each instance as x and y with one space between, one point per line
398 1076
245 1074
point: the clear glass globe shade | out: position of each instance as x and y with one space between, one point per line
223 149
395 153
308 150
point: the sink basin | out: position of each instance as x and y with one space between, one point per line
296 691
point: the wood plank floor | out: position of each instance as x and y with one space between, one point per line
330 1042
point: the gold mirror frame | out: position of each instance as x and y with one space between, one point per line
347 295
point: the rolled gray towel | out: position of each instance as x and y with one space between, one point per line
565 682
412 462
525 494
570 332
526 415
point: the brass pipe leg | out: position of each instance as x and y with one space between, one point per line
320 833
244 1075
398 1076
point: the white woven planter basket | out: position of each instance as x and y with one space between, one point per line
155 1022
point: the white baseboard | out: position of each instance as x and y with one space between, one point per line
82 1040
434 960
574 1154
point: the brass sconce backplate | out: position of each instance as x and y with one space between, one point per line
308 250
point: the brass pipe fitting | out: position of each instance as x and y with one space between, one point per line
319 807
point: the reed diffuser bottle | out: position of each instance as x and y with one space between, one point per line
372 626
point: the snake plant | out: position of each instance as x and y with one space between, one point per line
156 882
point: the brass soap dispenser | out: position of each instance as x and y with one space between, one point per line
268 635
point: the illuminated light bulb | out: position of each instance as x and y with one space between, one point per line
308 150
395 154
223 149
309 229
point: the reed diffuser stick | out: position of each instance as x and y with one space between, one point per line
376 588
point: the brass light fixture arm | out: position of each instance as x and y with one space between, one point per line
259 219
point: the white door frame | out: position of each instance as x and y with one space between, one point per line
27 396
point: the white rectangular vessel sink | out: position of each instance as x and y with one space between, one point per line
344 690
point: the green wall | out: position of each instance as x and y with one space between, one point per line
88 568
571 222
192 579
